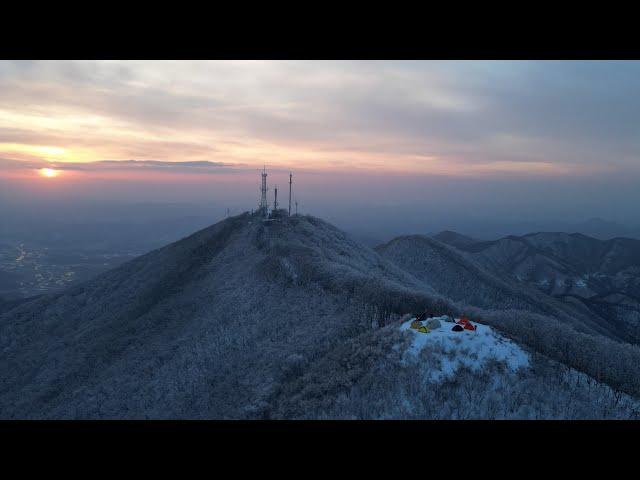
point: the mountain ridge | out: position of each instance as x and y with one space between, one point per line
464 280
257 319
575 265
193 304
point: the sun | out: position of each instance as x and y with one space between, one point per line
49 172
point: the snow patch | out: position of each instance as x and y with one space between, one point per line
470 348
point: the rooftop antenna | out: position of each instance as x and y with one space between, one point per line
275 200
290 180
263 192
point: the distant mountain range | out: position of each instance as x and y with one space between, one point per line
292 318
603 229
593 227
602 276
468 282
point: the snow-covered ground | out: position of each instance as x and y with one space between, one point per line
470 348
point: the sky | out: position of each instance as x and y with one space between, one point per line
406 140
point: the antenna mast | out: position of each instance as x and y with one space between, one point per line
275 200
263 192
290 180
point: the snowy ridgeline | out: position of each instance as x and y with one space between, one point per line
472 349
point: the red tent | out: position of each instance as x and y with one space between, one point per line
466 323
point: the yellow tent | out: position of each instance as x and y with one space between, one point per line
423 330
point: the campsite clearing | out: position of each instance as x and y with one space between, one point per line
472 348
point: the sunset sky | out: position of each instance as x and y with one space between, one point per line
127 127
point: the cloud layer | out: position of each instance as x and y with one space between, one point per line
454 118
